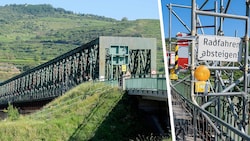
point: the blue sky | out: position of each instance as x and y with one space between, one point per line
230 27
132 9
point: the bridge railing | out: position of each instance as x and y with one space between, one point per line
113 83
202 129
153 86
147 83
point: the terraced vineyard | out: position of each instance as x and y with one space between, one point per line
34 34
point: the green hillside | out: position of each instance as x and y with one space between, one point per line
33 34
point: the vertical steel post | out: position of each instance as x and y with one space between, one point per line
245 98
220 32
170 26
215 18
193 34
216 33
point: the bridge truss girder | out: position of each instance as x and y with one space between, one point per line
139 64
85 63
53 78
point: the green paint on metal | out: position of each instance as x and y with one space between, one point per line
146 84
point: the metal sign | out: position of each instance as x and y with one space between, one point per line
119 54
153 72
124 68
219 48
171 58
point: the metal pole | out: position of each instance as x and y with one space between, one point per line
193 33
215 18
111 67
170 26
221 15
220 32
245 99
181 21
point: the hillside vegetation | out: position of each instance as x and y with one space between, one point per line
33 34
90 111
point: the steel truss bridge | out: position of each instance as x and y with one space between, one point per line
126 62
105 58
221 110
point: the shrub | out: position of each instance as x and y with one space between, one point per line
12 112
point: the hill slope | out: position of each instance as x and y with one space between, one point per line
33 34
83 107
91 111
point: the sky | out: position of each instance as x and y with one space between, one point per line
117 9
231 27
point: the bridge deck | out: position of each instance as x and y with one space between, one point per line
183 120
179 111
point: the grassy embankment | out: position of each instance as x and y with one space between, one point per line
91 111
74 116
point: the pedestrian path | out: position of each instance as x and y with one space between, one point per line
183 120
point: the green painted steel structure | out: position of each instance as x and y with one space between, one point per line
150 83
153 87
226 93
205 131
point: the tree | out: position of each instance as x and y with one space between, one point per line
124 19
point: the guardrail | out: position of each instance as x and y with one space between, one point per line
202 128
152 83
154 87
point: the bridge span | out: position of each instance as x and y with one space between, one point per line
105 58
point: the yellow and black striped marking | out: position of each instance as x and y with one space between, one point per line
173 75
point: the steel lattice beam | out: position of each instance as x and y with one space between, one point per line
85 63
